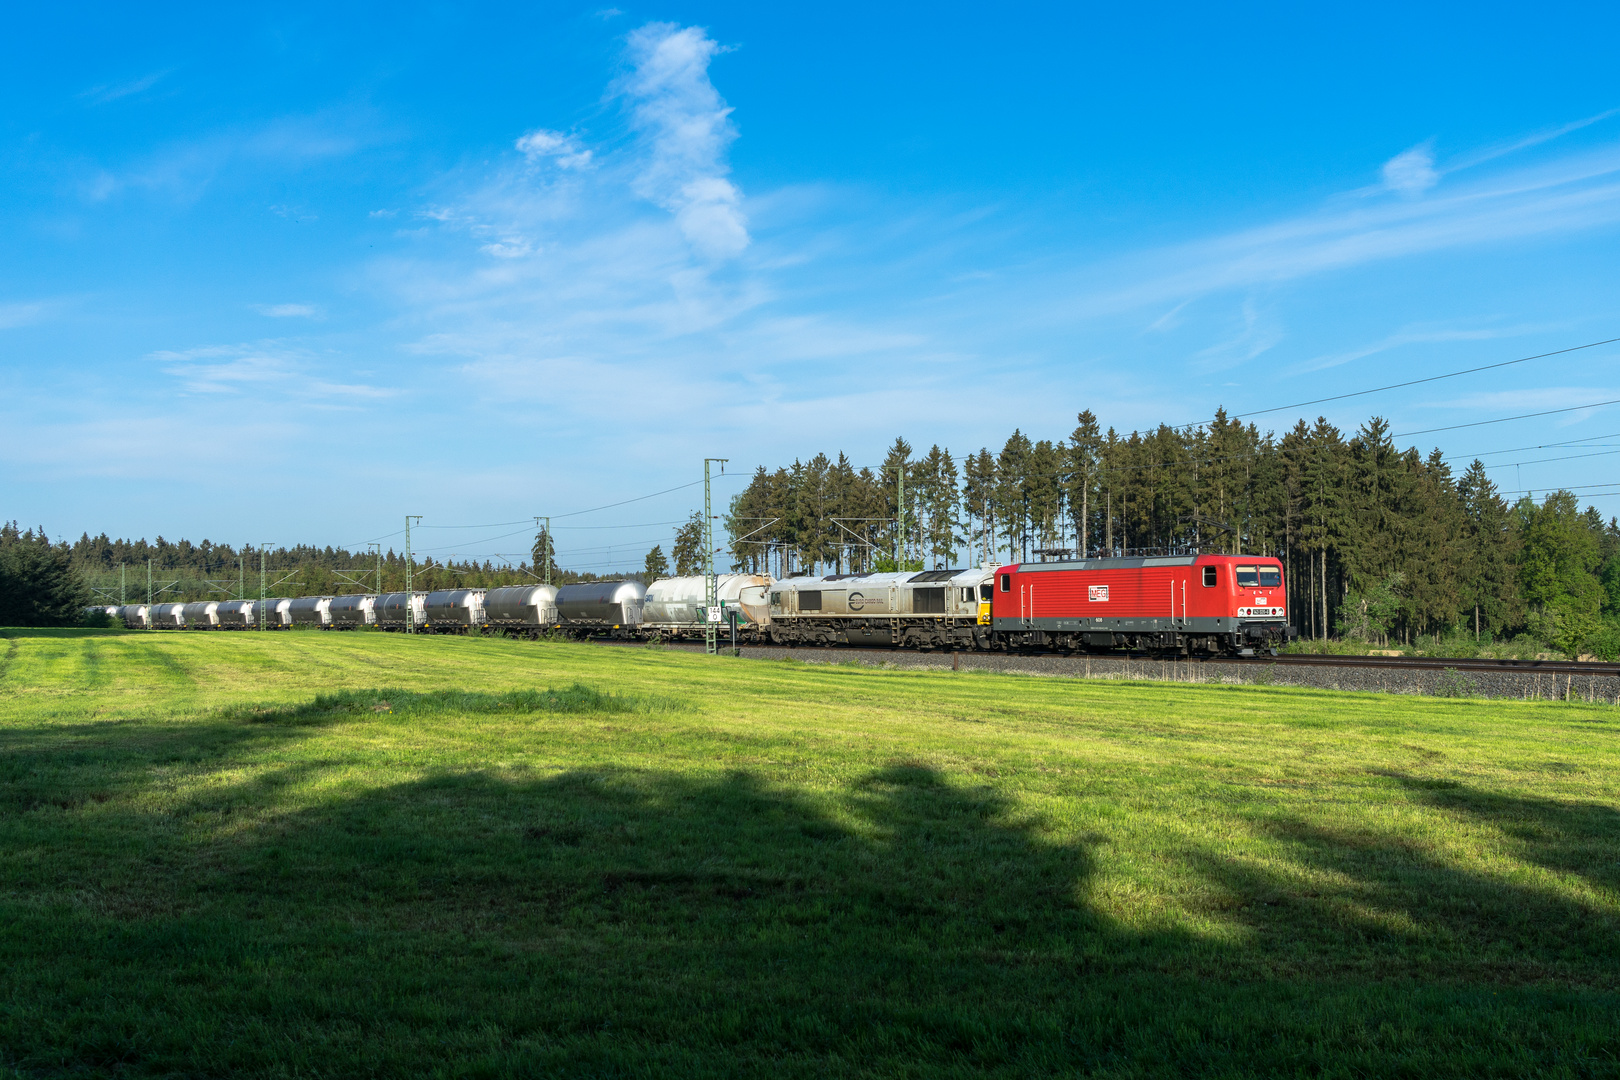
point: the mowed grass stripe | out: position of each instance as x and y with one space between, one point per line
278 853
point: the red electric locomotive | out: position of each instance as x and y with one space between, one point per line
1184 604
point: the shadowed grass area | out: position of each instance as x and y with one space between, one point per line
577 698
231 854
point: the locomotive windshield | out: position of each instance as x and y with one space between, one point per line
1258 577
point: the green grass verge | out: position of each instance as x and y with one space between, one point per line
346 854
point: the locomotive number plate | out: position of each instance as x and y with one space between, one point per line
1259 612
1096 592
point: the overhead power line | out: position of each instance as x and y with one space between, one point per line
1429 379
638 525
1505 419
1538 446
491 525
627 502
1542 461
1556 487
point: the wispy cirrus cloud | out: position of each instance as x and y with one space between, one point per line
101 95
1563 196
1411 336
27 313
184 169
275 369
1257 332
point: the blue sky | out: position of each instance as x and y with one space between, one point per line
285 278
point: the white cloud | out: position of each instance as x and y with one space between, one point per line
1256 333
15 315
289 311
559 148
688 128
267 371
184 169
1411 337
513 247
1513 147
1411 172
101 95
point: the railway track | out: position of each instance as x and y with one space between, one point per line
1440 663
1388 663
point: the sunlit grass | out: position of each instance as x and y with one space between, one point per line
331 854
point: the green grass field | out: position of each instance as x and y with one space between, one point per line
306 854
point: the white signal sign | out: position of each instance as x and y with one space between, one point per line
714 614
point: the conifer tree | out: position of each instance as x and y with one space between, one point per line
544 551
39 585
689 544
978 504
1083 450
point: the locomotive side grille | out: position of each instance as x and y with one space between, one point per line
810 600
928 601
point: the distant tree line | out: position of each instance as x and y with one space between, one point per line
115 571
1380 543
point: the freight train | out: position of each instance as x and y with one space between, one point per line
1182 605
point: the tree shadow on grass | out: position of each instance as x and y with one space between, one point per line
1564 836
617 922
66 632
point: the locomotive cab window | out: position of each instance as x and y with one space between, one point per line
1006 583
984 591
776 599
1248 577
1211 576
1271 577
